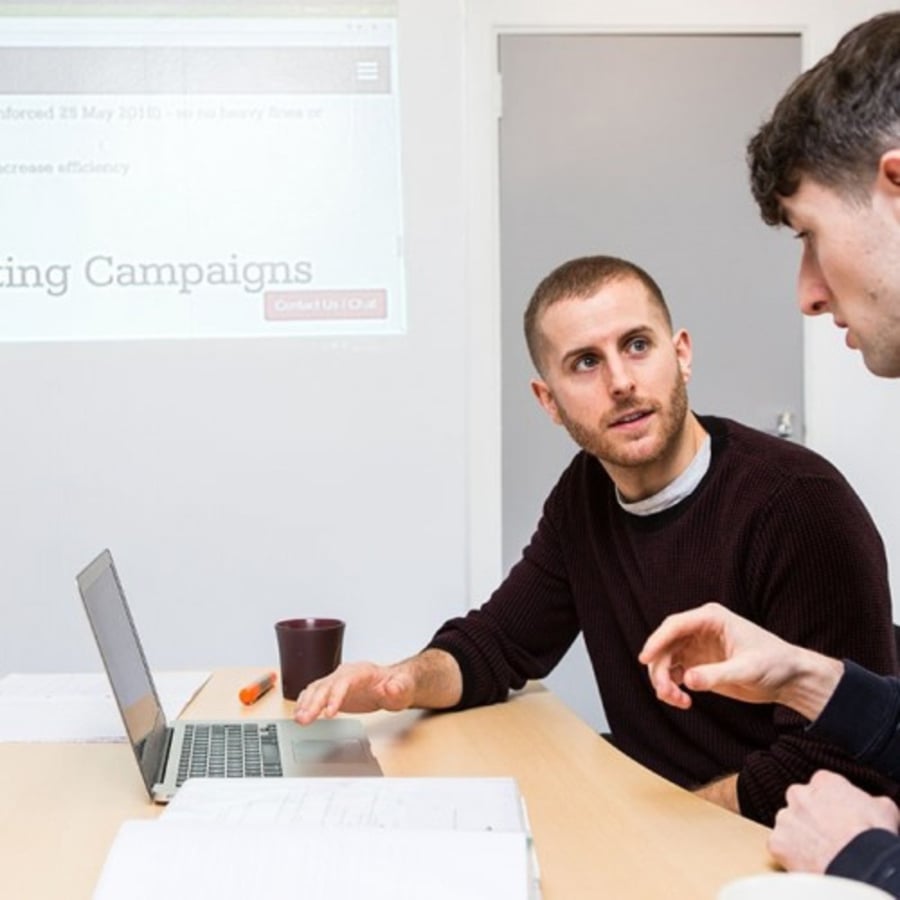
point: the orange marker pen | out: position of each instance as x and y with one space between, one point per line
253 691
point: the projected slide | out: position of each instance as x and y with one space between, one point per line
199 177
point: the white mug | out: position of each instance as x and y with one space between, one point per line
798 886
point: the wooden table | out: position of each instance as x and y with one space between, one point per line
603 825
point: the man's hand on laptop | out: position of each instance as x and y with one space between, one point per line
430 680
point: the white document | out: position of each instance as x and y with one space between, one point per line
153 859
448 804
79 707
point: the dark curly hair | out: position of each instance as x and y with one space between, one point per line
835 121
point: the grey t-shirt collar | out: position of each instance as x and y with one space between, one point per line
675 491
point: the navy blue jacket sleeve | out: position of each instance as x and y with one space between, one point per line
863 717
872 857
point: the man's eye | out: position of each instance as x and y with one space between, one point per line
585 363
640 345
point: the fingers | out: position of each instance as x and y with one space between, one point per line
679 627
825 780
354 688
674 696
710 676
720 677
744 676
822 817
665 676
665 651
322 698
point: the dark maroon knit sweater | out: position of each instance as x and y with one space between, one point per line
773 532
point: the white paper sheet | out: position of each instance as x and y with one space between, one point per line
489 805
153 859
80 706
450 804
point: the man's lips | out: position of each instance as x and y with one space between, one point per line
849 339
630 418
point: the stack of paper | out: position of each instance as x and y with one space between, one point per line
330 838
79 707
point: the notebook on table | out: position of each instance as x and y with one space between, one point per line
168 754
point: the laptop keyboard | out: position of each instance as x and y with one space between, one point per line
240 750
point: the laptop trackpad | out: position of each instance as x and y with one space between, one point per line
327 751
337 748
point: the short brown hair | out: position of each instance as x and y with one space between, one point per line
835 121
579 279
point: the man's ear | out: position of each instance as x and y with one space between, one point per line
684 353
889 167
887 181
545 398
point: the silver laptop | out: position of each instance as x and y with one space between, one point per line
168 755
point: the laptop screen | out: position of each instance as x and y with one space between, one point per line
126 666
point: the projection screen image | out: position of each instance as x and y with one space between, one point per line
200 175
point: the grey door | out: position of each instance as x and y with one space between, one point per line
633 145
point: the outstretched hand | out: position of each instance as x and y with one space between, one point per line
713 649
429 680
356 688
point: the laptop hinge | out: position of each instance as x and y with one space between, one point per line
164 759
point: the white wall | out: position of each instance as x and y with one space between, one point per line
237 482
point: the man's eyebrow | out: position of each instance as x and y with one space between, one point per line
581 351
637 331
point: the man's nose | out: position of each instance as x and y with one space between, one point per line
619 378
813 293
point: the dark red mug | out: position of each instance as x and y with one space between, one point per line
309 649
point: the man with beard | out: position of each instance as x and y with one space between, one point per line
659 507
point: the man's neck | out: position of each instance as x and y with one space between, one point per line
645 481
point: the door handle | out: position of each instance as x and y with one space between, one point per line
784 424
